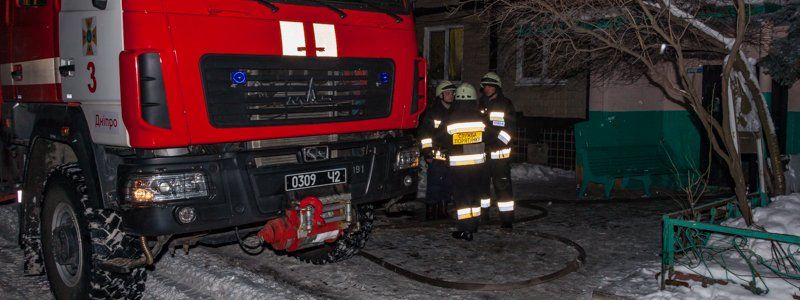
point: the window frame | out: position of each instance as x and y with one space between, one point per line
427 50
522 80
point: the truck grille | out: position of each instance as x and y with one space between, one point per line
248 91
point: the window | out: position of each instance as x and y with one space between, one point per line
533 67
444 50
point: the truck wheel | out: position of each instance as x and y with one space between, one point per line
76 237
353 240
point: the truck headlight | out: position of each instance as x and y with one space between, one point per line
407 158
160 188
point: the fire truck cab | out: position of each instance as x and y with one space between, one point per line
130 126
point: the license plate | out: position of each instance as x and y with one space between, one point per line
463 138
314 179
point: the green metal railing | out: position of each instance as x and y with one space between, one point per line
695 239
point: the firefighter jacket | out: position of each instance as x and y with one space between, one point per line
432 120
463 136
499 115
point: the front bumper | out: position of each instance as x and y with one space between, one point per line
240 193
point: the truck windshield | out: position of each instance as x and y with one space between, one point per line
393 6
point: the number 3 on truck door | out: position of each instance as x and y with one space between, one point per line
92 86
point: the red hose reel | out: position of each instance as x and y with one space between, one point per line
302 227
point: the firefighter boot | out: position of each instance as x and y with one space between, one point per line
442 211
485 219
507 220
430 211
462 235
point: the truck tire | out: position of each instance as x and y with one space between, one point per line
352 241
75 237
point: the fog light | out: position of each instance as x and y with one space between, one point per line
406 159
408 181
186 215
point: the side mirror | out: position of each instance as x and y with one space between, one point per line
100 4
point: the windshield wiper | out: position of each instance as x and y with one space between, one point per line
341 13
397 18
271 6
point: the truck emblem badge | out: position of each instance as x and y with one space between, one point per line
89 36
315 154
239 77
310 97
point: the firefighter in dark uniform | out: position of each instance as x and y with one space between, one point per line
499 113
459 142
437 193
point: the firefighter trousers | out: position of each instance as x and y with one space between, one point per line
502 192
438 189
469 185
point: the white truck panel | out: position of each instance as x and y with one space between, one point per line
92 40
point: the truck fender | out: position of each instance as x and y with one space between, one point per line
59 137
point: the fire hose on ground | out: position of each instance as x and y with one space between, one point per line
570 267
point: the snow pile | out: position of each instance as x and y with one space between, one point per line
530 172
783 217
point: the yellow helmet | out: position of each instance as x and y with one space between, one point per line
466 91
445 85
491 78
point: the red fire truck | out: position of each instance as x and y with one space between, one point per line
138 125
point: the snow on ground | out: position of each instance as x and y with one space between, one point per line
530 172
182 277
781 216
621 238
199 275
537 182
12 284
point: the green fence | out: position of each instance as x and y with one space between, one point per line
695 239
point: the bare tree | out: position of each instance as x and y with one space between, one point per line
692 183
656 39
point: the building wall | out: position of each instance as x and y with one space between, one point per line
631 114
476 40
793 121
567 100
548 101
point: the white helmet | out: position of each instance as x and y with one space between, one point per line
445 85
491 78
466 91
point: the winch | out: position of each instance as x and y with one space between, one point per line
309 222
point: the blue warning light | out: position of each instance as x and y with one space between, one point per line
238 77
385 77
